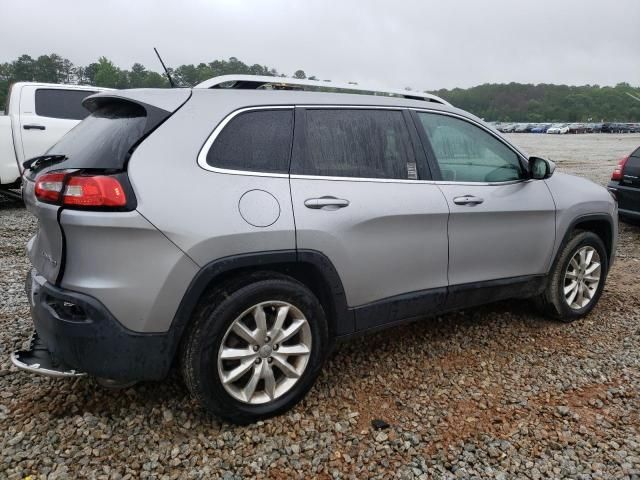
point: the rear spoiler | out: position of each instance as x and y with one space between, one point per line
168 100
159 104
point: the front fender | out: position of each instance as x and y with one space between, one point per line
580 200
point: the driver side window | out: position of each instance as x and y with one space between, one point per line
466 153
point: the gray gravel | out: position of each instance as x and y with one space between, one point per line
493 392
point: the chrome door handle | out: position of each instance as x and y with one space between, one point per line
34 127
468 200
326 203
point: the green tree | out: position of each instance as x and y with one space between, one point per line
107 74
138 76
24 69
299 74
49 68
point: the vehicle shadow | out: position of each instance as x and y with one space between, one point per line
7 202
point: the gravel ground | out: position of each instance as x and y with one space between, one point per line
493 392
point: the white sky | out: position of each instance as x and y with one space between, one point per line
426 44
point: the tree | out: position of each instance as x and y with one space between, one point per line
299 74
23 69
87 75
107 74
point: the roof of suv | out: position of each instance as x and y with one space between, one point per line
232 99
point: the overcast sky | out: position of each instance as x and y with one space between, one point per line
426 44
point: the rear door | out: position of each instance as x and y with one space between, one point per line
359 197
502 225
46 114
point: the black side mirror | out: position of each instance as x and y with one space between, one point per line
541 168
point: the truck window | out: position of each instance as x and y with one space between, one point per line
65 104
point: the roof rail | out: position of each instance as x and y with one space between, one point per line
252 82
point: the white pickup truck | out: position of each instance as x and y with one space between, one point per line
37 116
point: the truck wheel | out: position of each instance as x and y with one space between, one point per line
255 352
577 278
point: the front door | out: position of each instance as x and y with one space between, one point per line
502 224
359 198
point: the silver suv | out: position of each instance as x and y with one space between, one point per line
239 228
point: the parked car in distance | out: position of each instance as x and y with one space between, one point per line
37 116
509 128
521 128
558 128
625 184
240 231
541 128
577 128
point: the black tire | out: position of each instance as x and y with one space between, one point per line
199 353
552 301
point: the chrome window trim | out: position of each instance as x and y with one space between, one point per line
202 155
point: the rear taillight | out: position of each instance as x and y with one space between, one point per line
617 173
49 186
94 191
80 190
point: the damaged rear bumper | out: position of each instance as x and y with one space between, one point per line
38 359
76 335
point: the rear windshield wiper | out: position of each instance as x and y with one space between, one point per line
43 161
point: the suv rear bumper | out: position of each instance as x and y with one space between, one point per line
81 333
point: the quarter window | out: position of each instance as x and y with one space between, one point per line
256 141
64 104
466 153
357 143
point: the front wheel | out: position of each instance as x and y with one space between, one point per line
577 278
255 352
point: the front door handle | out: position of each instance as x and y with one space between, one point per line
326 203
470 200
34 127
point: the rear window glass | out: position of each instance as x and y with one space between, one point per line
103 139
65 104
255 141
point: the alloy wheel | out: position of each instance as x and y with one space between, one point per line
582 277
264 352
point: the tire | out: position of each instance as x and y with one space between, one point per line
211 332
553 302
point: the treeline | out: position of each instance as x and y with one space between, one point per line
513 102
517 102
104 73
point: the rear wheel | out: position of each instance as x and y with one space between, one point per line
577 278
255 352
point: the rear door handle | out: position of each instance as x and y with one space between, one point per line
326 203
34 127
470 200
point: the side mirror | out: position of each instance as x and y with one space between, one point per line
541 168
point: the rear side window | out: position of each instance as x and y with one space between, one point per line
103 139
65 104
632 166
357 143
255 141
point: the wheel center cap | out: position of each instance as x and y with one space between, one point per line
265 351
